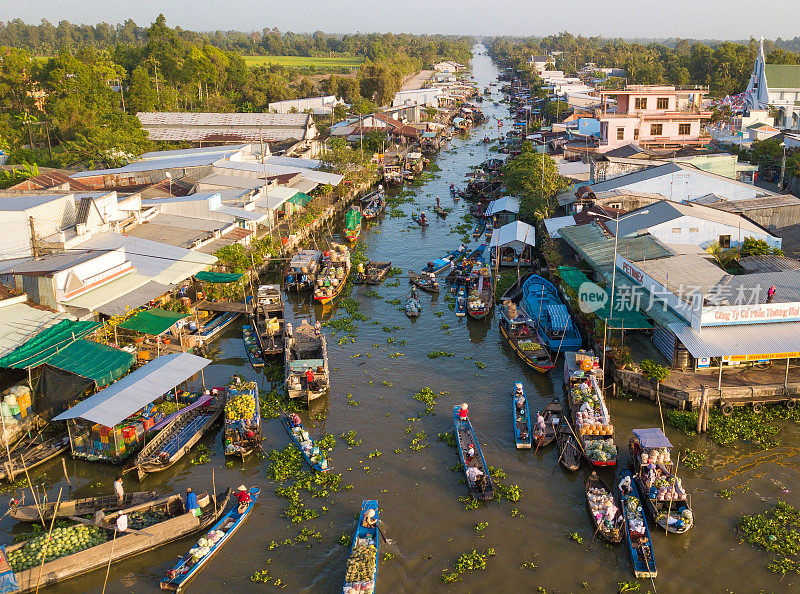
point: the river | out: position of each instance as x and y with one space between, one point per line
417 491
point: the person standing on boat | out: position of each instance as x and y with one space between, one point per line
289 330
294 420
477 477
192 506
310 377
369 519
541 427
470 453
414 294
463 414
119 490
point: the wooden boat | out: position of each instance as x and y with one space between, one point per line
365 541
569 456
352 223
552 418
666 501
455 193
522 418
242 417
371 274
392 175
179 435
481 289
373 204
543 302
191 564
212 327
252 346
412 307
268 320
177 525
637 534
30 453
303 269
480 228
419 220
314 456
597 496
514 292
423 282
445 262
81 507
306 349
442 212
465 437
336 268
520 333
461 300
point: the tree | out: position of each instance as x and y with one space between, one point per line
141 92
523 177
658 374
555 110
757 247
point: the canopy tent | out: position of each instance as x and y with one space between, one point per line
503 204
352 219
120 400
45 344
100 363
152 321
218 277
626 314
515 235
652 438
429 135
300 199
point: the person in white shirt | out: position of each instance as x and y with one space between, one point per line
473 473
119 490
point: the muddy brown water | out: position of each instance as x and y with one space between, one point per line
418 493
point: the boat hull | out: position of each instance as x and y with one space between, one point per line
521 355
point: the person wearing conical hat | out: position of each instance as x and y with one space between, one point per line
242 495
464 412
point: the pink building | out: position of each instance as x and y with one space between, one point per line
653 116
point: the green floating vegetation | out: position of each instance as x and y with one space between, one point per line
274 402
376 454
481 526
692 459
427 397
373 294
776 531
203 455
351 438
394 271
439 354
623 587
473 561
419 442
351 401
480 364
396 355
724 494
574 536
345 539
394 302
448 438
741 425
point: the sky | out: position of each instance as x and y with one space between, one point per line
710 19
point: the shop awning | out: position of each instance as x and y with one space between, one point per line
45 344
769 340
218 277
515 235
652 438
152 321
100 363
123 398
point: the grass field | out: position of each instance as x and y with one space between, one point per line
304 61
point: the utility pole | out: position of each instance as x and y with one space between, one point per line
783 169
34 248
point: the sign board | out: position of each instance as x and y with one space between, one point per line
759 313
761 357
704 362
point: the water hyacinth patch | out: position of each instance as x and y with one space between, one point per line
439 354
776 531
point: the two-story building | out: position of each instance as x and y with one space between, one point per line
654 116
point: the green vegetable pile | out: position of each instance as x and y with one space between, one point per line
776 531
361 564
62 542
142 519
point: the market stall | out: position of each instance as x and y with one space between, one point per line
514 243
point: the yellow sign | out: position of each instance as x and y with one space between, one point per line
745 358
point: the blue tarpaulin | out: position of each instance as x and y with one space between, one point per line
559 317
652 438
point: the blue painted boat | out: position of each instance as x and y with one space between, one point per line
544 305
445 262
465 437
412 307
522 419
365 540
193 562
461 300
252 346
640 545
314 456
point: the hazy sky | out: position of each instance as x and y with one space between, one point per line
710 19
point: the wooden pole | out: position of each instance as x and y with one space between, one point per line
658 397
33 492
47 542
110 557
66 476
701 412
214 491
669 507
10 469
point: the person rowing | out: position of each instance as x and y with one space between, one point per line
369 519
477 477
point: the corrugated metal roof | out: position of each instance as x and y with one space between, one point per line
190 152
593 246
154 165
768 264
20 203
516 234
293 162
684 274
134 299
269 169
20 322
123 398
503 204
182 118
747 287
755 339
53 263
758 203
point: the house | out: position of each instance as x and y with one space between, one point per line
539 63
653 115
20 321
428 97
316 105
775 86
448 67
690 223
503 210
26 219
232 128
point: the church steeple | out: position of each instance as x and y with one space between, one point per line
757 89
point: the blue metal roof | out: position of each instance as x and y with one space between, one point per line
559 317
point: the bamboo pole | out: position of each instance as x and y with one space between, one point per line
47 542
214 491
66 476
33 492
110 557
669 507
10 469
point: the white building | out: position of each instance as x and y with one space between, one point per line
776 86
316 105
428 97
448 66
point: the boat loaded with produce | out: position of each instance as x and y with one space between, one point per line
242 419
306 349
335 270
303 269
482 488
522 417
606 516
362 564
192 563
590 415
637 534
352 223
371 274
374 203
313 454
665 498
519 331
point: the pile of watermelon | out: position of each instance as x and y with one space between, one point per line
63 542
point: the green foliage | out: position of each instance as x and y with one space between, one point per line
757 247
427 397
654 371
537 187
776 531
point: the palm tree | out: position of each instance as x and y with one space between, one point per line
724 256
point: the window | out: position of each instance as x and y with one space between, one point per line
620 133
694 230
684 129
662 103
725 241
676 229
656 129
636 134
640 102
615 205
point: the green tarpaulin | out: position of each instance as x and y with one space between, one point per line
300 199
152 321
37 350
626 313
217 277
100 363
352 219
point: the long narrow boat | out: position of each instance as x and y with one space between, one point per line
332 279
445 262
599 499
520 333
301 275
192 563
362 564
81 507
465 437
424 282
312 453
306 349
522 418
31 453
637 534
569 456
211 328
412 307
666 501
179 435
373 204
543 303
371 274
552 419
252 346
440 211
268 320
481 290
480 228
242 434
461 300
419 220
352 223
178 523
